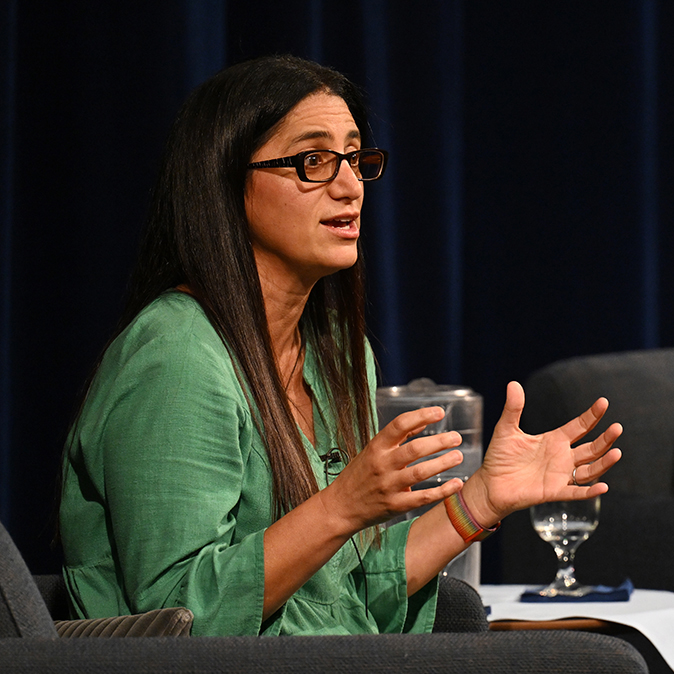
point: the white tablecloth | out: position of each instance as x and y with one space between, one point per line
649 611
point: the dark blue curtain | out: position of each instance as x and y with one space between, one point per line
525 216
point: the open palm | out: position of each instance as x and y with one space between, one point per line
521 470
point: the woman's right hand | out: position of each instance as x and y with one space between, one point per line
377 484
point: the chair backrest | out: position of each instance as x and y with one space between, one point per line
23 612
640 388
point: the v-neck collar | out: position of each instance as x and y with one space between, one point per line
324 427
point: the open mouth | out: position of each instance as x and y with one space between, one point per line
340 223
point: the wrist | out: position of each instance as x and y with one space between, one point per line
475 494
338 516
464 522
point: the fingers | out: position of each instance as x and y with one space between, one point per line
392 440
583 424
418 498
589 472
408 424
594 458
512 410
573 493
590 451
425 470
422 447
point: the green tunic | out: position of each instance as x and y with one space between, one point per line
167 494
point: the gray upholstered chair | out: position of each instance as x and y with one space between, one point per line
29 642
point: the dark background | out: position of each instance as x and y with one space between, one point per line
526 215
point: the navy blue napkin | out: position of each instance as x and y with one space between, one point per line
599 593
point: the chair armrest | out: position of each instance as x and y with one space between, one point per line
557 652
459 607
22 610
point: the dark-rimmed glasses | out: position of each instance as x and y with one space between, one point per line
322 166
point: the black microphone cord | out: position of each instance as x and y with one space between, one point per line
333 456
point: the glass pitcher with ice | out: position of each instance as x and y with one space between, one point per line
463 413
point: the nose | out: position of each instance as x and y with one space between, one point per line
345 184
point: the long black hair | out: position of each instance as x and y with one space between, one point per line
197 234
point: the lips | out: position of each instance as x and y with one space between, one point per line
342 220
340 224
344 227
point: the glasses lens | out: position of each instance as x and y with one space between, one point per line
320 165
323 165
370 164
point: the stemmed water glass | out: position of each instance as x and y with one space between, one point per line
565 525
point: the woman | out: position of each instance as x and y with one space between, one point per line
224 457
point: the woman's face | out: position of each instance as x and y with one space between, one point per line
303 231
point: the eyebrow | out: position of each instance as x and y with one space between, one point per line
312 135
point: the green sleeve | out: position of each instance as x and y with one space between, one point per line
387 576
175 446
387 586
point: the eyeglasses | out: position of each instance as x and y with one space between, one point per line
322 166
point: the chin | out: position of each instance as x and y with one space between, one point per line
329 270
345 263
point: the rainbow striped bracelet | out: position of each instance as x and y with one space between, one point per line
464 522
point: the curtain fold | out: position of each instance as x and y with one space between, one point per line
7 143
648 159
205 40
381 199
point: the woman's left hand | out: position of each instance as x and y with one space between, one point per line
521 470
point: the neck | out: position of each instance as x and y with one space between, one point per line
284 306
284 300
